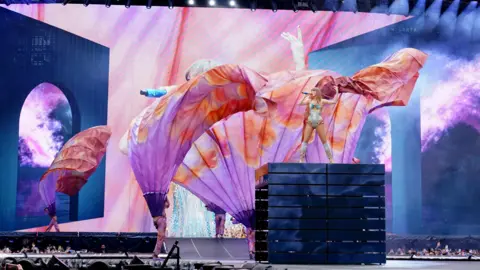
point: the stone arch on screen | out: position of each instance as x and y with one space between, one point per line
46 122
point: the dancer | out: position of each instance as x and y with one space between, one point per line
220 217
53 221
313 116
160 224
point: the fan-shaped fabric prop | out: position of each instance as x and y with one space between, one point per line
74 164
162 134
221 163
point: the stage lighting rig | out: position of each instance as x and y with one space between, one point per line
312 5
295 6
253 5
274 5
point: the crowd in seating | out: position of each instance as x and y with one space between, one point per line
439 250
50 249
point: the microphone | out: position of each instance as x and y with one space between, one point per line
305 93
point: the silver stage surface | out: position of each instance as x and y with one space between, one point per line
392 265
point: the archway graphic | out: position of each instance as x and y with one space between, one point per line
45 125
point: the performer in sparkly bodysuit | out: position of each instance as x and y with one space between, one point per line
313 117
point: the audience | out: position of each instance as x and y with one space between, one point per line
437 251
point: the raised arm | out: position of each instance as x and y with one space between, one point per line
296 45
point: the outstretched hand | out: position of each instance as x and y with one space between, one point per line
294 40
296 45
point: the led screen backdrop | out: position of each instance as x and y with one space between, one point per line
153 48
53 85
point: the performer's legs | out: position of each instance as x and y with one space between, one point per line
57 229
323 138
161 225
53 223
251 242
222 225
217 225
307 133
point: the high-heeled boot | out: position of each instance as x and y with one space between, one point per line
303 152
328 151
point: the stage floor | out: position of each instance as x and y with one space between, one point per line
391 265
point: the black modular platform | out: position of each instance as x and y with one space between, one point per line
321 214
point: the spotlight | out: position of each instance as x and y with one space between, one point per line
211 3
295 6
191 2
86 3
127 4
149 4
312 6
232 3
274 6
253 5
108 3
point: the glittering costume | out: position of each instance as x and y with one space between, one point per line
315 117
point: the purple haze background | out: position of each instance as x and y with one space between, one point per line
45 125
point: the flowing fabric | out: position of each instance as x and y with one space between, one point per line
74 164
220 166
161 135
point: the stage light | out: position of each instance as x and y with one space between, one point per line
295 6
86 3
211 3
191 2
232 3
127 4
149 4
274 6
253 5
312 6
